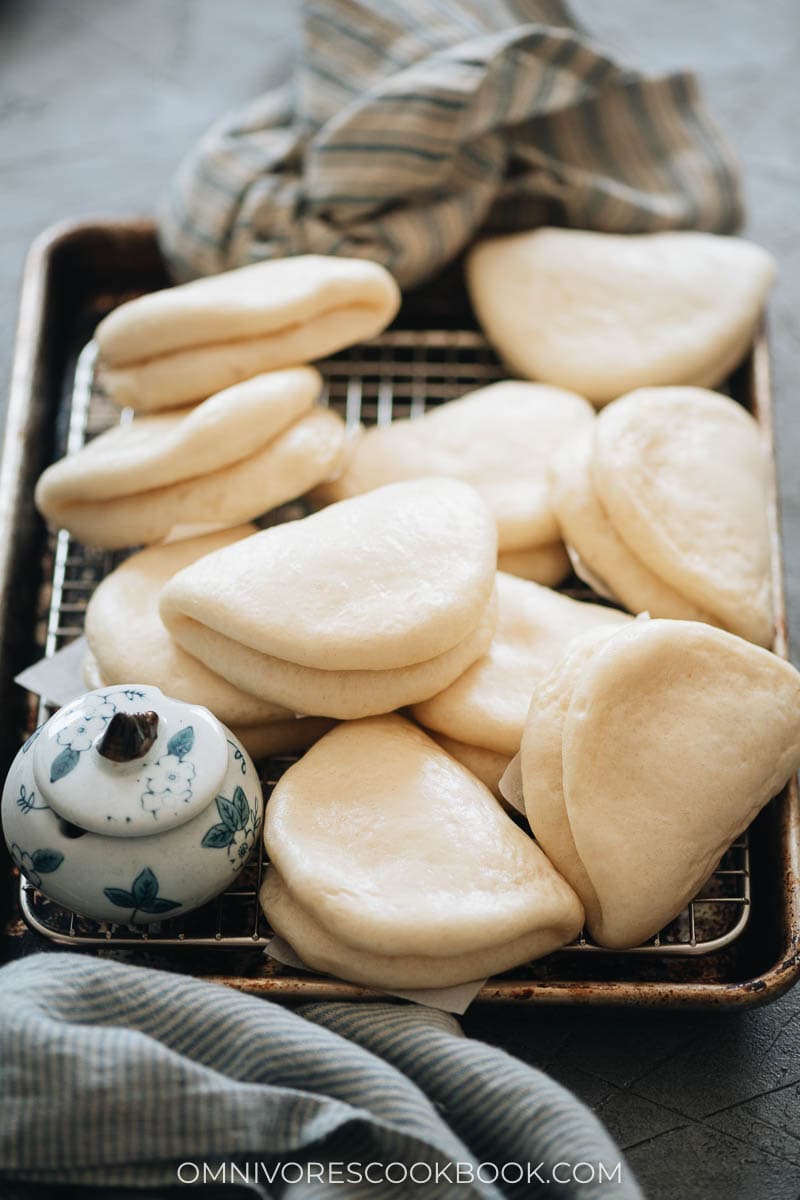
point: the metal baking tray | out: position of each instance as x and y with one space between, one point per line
398 374
712 954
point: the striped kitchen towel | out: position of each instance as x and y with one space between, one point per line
410 125
116 1077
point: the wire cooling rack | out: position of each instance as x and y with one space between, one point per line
397 375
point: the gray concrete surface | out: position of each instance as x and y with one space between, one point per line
99 99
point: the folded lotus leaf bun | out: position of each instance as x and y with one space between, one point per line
261 739
240 453
370 604
601 557
604 313
337 693
488 704
179 345
667 501
541 766
127 640
684 478
383 580
646 754
487 765
499 439
394 867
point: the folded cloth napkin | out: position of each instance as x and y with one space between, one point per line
412 124
114 1076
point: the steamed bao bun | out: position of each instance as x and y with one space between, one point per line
179 345
487 765
238 454
392 866
366 606
665 500
605 313
500 439
646 753
487 706
127 640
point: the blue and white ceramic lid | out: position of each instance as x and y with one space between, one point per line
130 762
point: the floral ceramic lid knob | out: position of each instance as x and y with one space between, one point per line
129 806
126 763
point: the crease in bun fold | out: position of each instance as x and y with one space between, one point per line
127 640
236 455
487 706
393 866
666 501
363 607
177 346
499 439
646 754
605 313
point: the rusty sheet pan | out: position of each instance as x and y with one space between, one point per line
75 274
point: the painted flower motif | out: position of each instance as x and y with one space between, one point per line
81 736
168 784
130 694
239 847
99 706
34 866
24 861
236 830
97 712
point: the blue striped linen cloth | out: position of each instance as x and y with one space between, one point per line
113 1076
410 125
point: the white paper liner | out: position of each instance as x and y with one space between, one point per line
58 679
511 785
588 576
451 999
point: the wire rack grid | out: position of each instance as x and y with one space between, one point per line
399 374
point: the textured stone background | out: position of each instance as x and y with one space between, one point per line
99 100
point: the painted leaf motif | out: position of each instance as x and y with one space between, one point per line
120 897
63 763
45 861
145 888
159 905
181 742
218 837
229 814
26 801
242 807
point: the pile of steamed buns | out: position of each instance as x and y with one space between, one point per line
405 634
